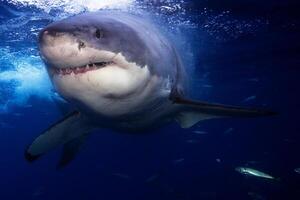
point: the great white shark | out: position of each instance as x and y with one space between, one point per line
120 73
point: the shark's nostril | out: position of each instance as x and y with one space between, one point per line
43 36
81 45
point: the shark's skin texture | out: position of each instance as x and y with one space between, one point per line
145 68
120 73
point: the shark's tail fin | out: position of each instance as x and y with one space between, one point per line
70 132
191 112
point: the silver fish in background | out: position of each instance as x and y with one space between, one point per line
180 160
297 170
253 172
120 175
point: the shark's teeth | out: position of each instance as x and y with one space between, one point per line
82 69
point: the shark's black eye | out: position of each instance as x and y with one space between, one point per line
81 45
98 34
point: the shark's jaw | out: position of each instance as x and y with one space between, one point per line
109 89
80 69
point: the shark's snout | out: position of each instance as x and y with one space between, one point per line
42 36
52 33
47 34
50 36
60 48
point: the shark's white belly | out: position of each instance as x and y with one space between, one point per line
114 92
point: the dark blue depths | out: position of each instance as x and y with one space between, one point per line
244 53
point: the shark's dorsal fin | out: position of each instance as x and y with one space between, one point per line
193 111
69 131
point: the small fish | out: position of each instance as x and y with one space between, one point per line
207 86
192 141
38 192
218 160
166 7
253 172
228 131
254 79
252 162
18 114
297 170
200 132
249 98
124 176
171 9
152 178
5 125
178 161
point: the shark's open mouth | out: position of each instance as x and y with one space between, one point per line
81 69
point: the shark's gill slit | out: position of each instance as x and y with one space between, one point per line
81 69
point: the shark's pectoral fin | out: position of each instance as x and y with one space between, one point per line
69 131
70 150
189 118
191 111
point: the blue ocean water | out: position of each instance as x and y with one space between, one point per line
241 53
